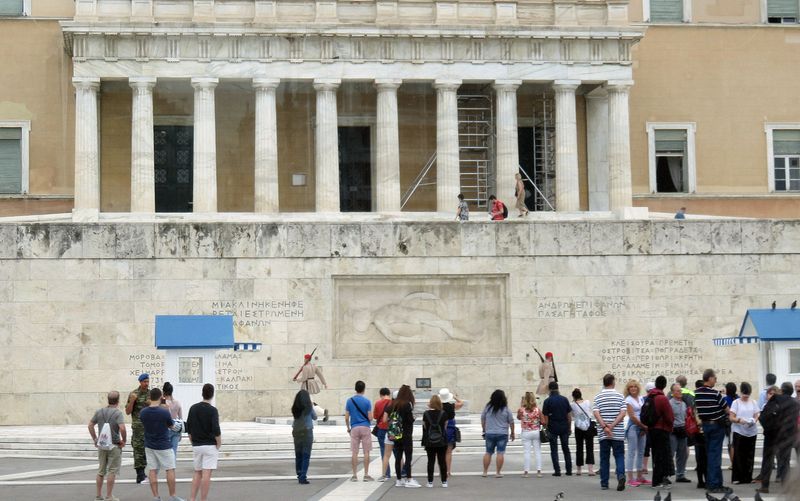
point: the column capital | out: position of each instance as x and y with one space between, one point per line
142 82
266 83
204 82
86 83
329 84
386 84
507 85
450 84
566 85
619 85
599 92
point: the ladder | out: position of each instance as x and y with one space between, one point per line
544 154
476 143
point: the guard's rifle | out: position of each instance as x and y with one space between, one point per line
306 362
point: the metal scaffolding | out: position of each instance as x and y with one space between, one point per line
544 154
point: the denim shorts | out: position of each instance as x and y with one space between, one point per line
498 442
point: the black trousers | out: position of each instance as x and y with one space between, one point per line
775 448
554 440
437 454
744 451
403 448
662 455
583 441
701 457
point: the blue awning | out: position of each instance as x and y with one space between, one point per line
780 324
194 331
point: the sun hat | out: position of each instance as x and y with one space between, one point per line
446 397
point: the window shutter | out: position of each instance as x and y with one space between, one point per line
10 7
783 8
786 142
666 11
670 141
10 160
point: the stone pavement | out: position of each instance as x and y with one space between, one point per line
266 471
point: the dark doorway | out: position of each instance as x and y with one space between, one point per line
173 163
355 169
528 163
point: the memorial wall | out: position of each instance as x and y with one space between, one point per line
462 304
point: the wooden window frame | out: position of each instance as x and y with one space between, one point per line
691 157
687 11
769 128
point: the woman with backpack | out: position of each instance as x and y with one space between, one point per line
496 420
401 422
530 418
434 438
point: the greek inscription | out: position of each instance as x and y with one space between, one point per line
260 313
644 359
579 308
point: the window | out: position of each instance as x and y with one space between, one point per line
14 157
794 361
667 11
783 151
15 7
783 11
672 157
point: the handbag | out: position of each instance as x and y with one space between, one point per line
458 434
592 429
375 430
691 423
544 435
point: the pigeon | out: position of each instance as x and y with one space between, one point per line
658 496
669 497
773 305
794 304
709 497
758 496
734 497
559 496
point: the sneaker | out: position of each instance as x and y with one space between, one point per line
643 481
603 487
621 484
634 483
368 478
538 474
412 484
525 474
111 498
444 485
325 416
382 479
304 482
763 490
683 480
99 498
400 483
557 474
701 485
429 485
176 498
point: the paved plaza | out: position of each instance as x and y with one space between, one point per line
258 465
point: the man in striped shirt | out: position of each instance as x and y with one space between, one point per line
609 412
712 410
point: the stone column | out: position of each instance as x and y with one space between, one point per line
87 155
448 171
266 161
507 146
204 192
597 148
619 145
567 188
387 171
143 189
327 146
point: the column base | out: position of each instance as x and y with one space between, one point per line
632 213
85 215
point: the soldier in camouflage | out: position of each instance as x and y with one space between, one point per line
138 400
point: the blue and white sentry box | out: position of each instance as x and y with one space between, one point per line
191 343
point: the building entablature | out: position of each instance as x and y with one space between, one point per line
378 12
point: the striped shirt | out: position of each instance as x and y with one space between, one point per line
609 403
710 404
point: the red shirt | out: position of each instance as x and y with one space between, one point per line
663 410
497 210
380 408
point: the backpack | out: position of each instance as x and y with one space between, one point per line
505 211
648 415
436 436
395 430
104 439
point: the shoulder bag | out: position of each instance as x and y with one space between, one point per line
592 429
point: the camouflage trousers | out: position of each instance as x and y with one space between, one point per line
139 460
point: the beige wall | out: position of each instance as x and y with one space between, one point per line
35 85
734 82
52 8
710 11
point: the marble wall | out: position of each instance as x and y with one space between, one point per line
77 304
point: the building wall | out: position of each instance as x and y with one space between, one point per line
644 298
736 80
35 85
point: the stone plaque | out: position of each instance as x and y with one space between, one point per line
420 316
190 370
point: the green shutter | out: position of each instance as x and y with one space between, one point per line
666 11
10 7
670 141
783 8
786 142
10 160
